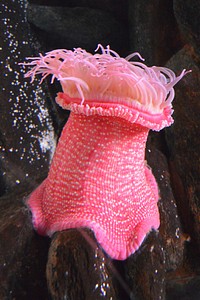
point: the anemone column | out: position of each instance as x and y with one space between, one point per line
98 179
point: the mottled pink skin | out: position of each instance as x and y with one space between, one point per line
99 179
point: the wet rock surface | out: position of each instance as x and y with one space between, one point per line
162 251
23 254
77 268
167 265
151 31
26 130
184 144
146 269
187 15
184 290
170 231
69 27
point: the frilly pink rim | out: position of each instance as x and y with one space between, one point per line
133 115
111 248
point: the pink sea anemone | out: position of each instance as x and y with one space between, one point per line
99 178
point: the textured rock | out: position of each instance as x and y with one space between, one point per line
26 129
170 227
22 254
188 289
187 14
64 27
146 270
116 7
163 250
184 144
153 30
77 268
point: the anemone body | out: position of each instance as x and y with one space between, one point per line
98 177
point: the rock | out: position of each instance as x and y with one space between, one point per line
188 289
153 30
69 27
23 255
145 270
170 226
184 144
184 148
77 268
187 14
162 251
27 137
117 8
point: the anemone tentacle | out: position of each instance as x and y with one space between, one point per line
82 74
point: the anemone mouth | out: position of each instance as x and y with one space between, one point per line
106 77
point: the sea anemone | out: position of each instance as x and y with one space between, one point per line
98 177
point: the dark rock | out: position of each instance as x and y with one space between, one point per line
145 270
64 27
153 30
26 130
77 268
187 14
23 255
162 251
116 7
185 289
170 226
184 143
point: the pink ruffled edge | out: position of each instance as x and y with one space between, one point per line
119 252
131 114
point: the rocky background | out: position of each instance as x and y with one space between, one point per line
71 265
